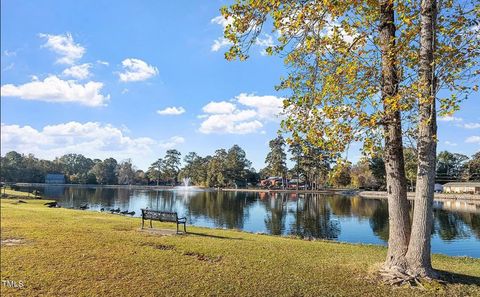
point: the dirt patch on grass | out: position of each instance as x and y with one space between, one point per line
122 228
12 241
203 257
162 247
161 232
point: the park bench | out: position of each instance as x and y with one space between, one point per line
163 216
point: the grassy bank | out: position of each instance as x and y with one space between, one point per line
67 252
16 194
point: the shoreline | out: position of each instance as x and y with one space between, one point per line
332 191
364 194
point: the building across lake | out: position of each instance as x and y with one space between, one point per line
54 178
462 187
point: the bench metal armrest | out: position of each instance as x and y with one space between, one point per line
182 219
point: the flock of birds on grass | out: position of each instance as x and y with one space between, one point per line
85 206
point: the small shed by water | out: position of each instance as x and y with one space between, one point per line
54 178
462 187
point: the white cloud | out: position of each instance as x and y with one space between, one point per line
105 63
473 139
125 90
222 21
229 124
450 143
327 28
219 107
92 139
8 67
247 113
64 46
8 53
136 70
476 30
78 71
54 89
334 26
220 43
265 42
171 111
172 142
472 125
449 119
268 107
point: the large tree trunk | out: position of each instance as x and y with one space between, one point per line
418 255
399 223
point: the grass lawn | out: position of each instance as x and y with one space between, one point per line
65 252
16 194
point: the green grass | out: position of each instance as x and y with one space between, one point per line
16 194
83 253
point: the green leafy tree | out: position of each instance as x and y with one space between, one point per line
171 163
236 165
411 166
356 70
340 174
216 169
125 172
105 172
76 167
11 166
195 168
472 168
155 171
311 163
377 166
361 175
140 177
276 158
450 166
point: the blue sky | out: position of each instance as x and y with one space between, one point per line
130 79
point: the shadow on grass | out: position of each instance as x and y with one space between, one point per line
456 278
213 236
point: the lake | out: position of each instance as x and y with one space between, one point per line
456 229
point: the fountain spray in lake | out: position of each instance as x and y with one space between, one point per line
186 186
186 182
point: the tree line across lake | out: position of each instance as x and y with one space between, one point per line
311 167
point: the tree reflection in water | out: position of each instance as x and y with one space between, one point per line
379 221
275 208
313 219
449 225
227 210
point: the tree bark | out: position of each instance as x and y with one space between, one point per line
418 255
399 224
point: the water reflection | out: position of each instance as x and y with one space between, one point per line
276 211
313 218
456 226
379 221
226 210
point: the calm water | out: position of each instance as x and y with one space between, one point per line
348 219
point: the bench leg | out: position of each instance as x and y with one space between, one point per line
151 224
185 227
177 228
142 222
